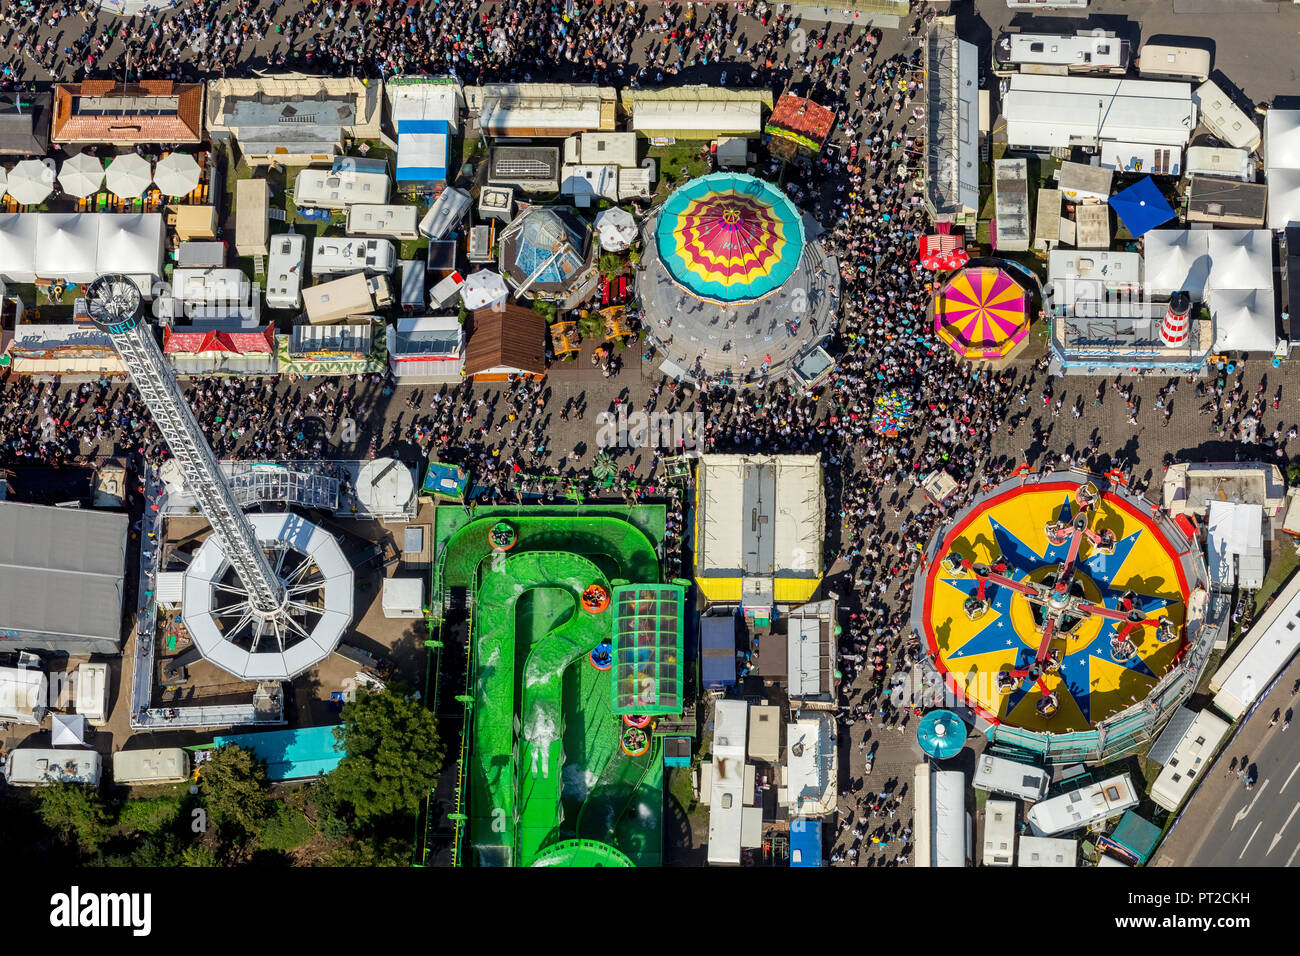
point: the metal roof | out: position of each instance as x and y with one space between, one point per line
61 574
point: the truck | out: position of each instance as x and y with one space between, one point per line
39 766
158 765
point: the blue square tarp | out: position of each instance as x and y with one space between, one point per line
1141 207
805 843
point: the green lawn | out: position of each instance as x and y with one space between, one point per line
1283 564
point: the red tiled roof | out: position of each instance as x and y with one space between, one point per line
803 117
186 126
238 343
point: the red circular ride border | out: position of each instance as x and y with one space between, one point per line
978 510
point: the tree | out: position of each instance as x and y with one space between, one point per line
611 265
392 754
233 786
74 812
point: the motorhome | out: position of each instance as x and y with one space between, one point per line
284 271
446 213
1174 63
160 765
91 690
382 221
335 256
328 189
343 298
1224 118
999 775
39 766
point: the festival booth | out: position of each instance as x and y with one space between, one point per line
67 246
69 348
220 352
426 350
352 347
18 247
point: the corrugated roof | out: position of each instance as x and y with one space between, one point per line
61 570
509 338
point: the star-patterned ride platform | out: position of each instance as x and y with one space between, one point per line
1091 683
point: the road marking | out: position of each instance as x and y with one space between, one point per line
1289 776
1277 837
1249 838
1293 853
1250 806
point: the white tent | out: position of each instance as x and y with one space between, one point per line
128 176
1177 260
68 730
384 486
1244 320
483 288
30 182
1283 197
1282 166
67 246
1241 258
18 246
1282 139
616 229
81 175
132 244
176 174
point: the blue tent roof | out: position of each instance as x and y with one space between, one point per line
422 150
805 843
941 734
1141 207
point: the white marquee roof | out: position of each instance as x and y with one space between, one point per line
18 247
1241 258
66 245
1244 320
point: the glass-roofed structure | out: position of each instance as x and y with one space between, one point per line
649 661
546 252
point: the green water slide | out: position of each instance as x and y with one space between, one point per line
618 547
516 776
529 629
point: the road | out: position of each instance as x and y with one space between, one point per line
1224 824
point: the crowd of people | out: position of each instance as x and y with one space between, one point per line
864 194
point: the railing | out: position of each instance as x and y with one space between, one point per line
458 817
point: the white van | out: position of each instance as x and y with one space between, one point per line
162 765
1012 779
37 766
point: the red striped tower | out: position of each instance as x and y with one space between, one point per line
1176 323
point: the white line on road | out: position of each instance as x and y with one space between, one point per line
1242 814
1249 838
1277 837
1289 776
1293 853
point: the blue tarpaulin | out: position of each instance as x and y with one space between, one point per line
290 754
422 151
805 843
1141 207
718 652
